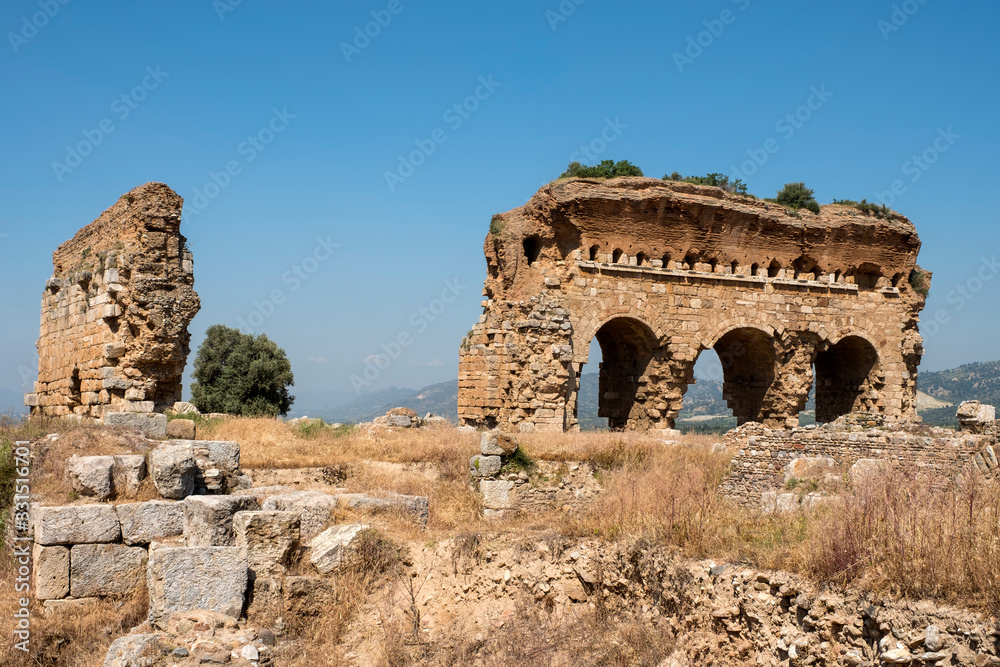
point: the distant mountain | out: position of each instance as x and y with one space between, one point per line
979 381
314 403
12 402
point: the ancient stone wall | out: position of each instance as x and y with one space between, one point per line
763 458
661 271
113 335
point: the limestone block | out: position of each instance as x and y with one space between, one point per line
399 421
185 408
50 569
787 503
269 539
495 443
866 468
314 507
78 524
150 424
208 520
484 466
329 549
974 416
142 650
264 605
69 606
418 506
181 428
497 494
809 467
127 474
220 454
189 578
307 596
97 570
174 470
90 475
145 522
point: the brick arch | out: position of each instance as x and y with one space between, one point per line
585 330
716 333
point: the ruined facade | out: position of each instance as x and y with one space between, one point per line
660 271
115 312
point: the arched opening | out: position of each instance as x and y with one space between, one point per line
714 264
532 248
754 269
666 261
593 252
837 276
626 351
847 379
616 256
773 269
896 278
734 267
75 397
866 276
689 261
640 259
748 362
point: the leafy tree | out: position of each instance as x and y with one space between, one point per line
796 196
606 169
241 374
737 187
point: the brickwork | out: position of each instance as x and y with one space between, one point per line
659 272
113 334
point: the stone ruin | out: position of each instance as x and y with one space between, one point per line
115 312
661 271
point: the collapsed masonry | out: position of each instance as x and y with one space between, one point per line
659 272
113 335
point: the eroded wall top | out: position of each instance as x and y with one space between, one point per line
113 334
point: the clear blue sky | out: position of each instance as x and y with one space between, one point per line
555 77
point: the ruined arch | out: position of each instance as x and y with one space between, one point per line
848 378
627 347
748 363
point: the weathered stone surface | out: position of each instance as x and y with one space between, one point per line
174 470
329 549
183 429
307 596
90 475
50 570
497 494
143 523
418 506
484 466
314 507
97 570
189 578
974 416
657 271
149 424
496 443
269 538
113 335
141 650
208 520
127 474
185 408
809 467
77 524
265 603
69 606
865 468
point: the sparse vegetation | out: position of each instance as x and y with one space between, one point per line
797 196
606 169
918 281
736 187
241 374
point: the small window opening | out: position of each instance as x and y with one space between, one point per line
532 248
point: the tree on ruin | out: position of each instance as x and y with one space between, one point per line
241 374
796 196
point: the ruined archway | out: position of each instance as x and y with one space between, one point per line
627 347
748 365
848 379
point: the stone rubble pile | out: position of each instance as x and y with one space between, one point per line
404 418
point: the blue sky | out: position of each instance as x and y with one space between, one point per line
692 87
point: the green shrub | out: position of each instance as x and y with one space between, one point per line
796 196
606 169
715 179
919 282
241 374
496 225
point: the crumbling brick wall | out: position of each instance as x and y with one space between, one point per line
659 272
113 335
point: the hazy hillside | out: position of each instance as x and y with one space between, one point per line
979 381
